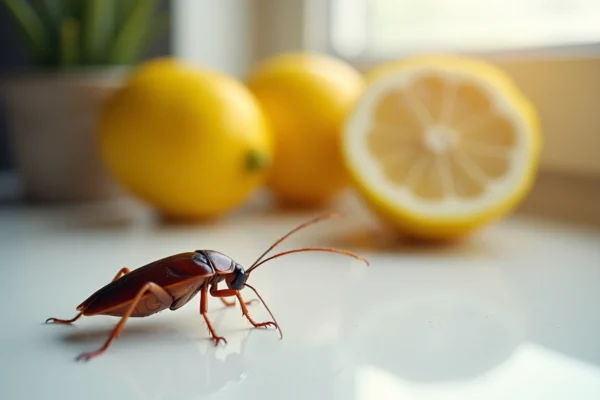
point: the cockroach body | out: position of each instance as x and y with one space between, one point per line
171 282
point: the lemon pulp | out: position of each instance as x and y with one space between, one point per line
441 145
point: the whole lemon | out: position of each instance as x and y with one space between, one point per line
191 141
306 97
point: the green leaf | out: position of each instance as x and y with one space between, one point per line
98 27
130 39
122 10
69 43
63 32
75 8
30 27
52 13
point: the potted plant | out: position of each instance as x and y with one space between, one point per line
81 49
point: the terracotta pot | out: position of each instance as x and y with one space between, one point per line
52 119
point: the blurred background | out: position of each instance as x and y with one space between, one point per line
549 47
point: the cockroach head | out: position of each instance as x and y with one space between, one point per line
237 279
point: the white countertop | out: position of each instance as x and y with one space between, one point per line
512 313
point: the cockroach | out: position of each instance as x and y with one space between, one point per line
173 281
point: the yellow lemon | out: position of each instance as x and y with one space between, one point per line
306 97
439 146
192 142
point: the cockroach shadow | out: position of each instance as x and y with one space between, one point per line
205 371
204 368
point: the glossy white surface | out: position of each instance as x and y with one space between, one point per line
511 313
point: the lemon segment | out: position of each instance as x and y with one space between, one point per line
441 145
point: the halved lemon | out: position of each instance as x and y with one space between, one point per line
439 146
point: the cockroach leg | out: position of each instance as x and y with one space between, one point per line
151 287
221 294
247 315
65 321
227 303
203 311
231 292
232 303
122 271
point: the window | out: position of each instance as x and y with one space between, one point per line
386 28
551 48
